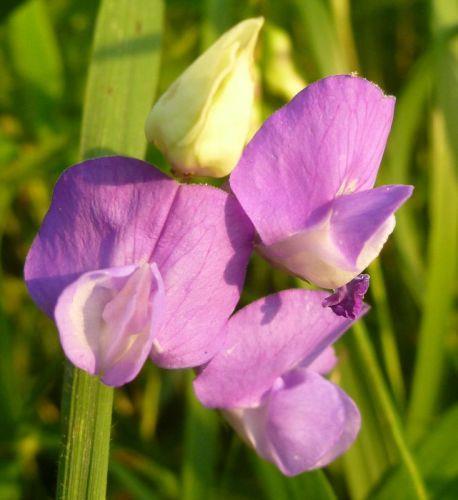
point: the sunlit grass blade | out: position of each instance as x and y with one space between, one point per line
159 479
122 79
150 402
359 346
200 452
316 19
390 351
217 17
437 458
37 62
121 86
276 486
371 455
440 283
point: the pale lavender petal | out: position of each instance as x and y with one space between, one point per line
303 423
347 300
107 320
106 212
203 253
310 422
342 237
327 141
325 362
263 341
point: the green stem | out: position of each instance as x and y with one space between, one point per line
381 396
122 82
83 463
390 352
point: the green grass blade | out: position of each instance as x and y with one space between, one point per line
200 448
120 89
322 39
122 78
36 61
440 282
437 458
390 351
276 486
359 346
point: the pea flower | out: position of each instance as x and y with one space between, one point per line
202 121
306 182
268 381
131 264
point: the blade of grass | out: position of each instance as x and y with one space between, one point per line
121 86
318 23
360 346
440 282
37 63
276 486
200 448
390 352
437 458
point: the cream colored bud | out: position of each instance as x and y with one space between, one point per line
201 122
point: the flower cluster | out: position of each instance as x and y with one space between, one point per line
133 265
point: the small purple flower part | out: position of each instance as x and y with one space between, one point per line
347 300
267 380
130 263
306 181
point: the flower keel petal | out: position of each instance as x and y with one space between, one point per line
107 320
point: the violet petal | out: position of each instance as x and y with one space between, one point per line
347 301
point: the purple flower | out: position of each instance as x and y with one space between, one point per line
130 263
267 380
306 181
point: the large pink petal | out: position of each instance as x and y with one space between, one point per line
263 341
202 254
116 211
327 141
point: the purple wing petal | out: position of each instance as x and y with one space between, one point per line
310 423
106 212
327 141
203 253
107 320
263 341
343 237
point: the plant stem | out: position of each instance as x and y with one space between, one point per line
83 461
121 85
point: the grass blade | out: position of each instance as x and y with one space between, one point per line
200 448
120 89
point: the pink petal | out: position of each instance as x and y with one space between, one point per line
310 423
327 141
342 237
263 341
202 254
106 212
116 211
303 423
107 320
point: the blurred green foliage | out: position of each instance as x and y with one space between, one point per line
400 366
